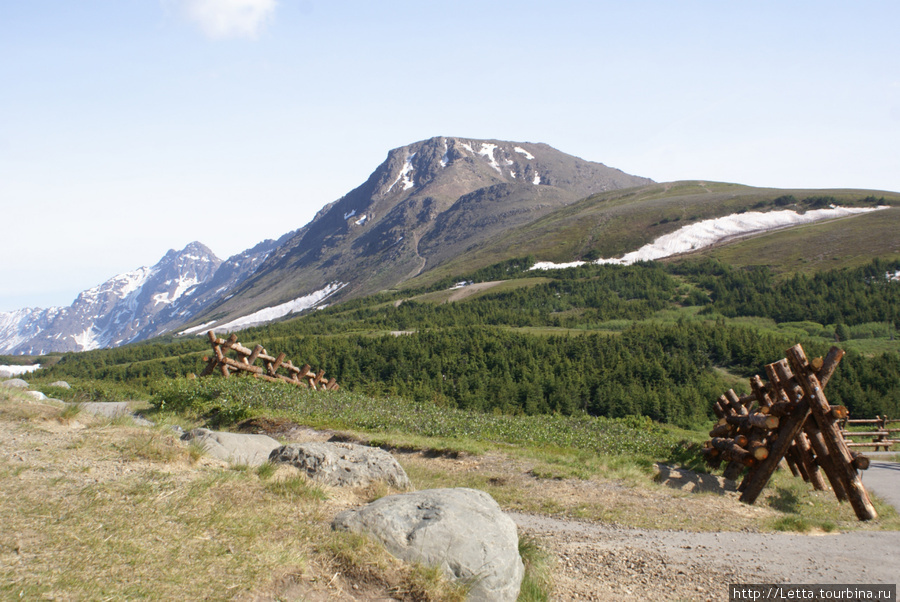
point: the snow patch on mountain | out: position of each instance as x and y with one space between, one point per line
269 314
711 231
362 219
350 214
184 286
86 340
445 159
522 151
404 174
202 328
487 150
537 179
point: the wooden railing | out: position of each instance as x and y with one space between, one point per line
880 432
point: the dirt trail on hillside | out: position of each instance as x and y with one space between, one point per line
470 289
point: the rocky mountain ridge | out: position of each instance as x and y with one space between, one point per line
132 306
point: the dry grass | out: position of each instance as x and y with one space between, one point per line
95 510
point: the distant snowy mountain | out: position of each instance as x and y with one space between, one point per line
132 306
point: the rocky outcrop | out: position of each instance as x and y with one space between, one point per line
463 531
343 464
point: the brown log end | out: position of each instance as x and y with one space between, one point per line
860 462
839 412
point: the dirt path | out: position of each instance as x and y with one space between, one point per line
597 560
602 562
469 290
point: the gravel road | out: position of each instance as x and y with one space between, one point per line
602 562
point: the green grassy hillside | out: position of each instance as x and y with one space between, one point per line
613 223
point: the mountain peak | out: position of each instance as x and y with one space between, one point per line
427 202
193 251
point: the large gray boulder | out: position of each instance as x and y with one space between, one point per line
463 531
343 464
237 448
61 384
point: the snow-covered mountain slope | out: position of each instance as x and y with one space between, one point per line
132 306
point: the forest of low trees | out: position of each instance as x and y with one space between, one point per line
502 352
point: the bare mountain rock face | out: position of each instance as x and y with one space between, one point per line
427 203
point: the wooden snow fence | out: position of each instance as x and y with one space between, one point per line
244 362
788 419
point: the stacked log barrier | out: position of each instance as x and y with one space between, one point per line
789 420
272 369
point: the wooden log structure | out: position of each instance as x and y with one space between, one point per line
245 360
831 432
788 421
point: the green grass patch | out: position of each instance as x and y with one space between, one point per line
228 401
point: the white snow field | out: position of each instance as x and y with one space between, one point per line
271 313
711 231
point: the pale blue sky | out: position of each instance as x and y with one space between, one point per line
130 127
